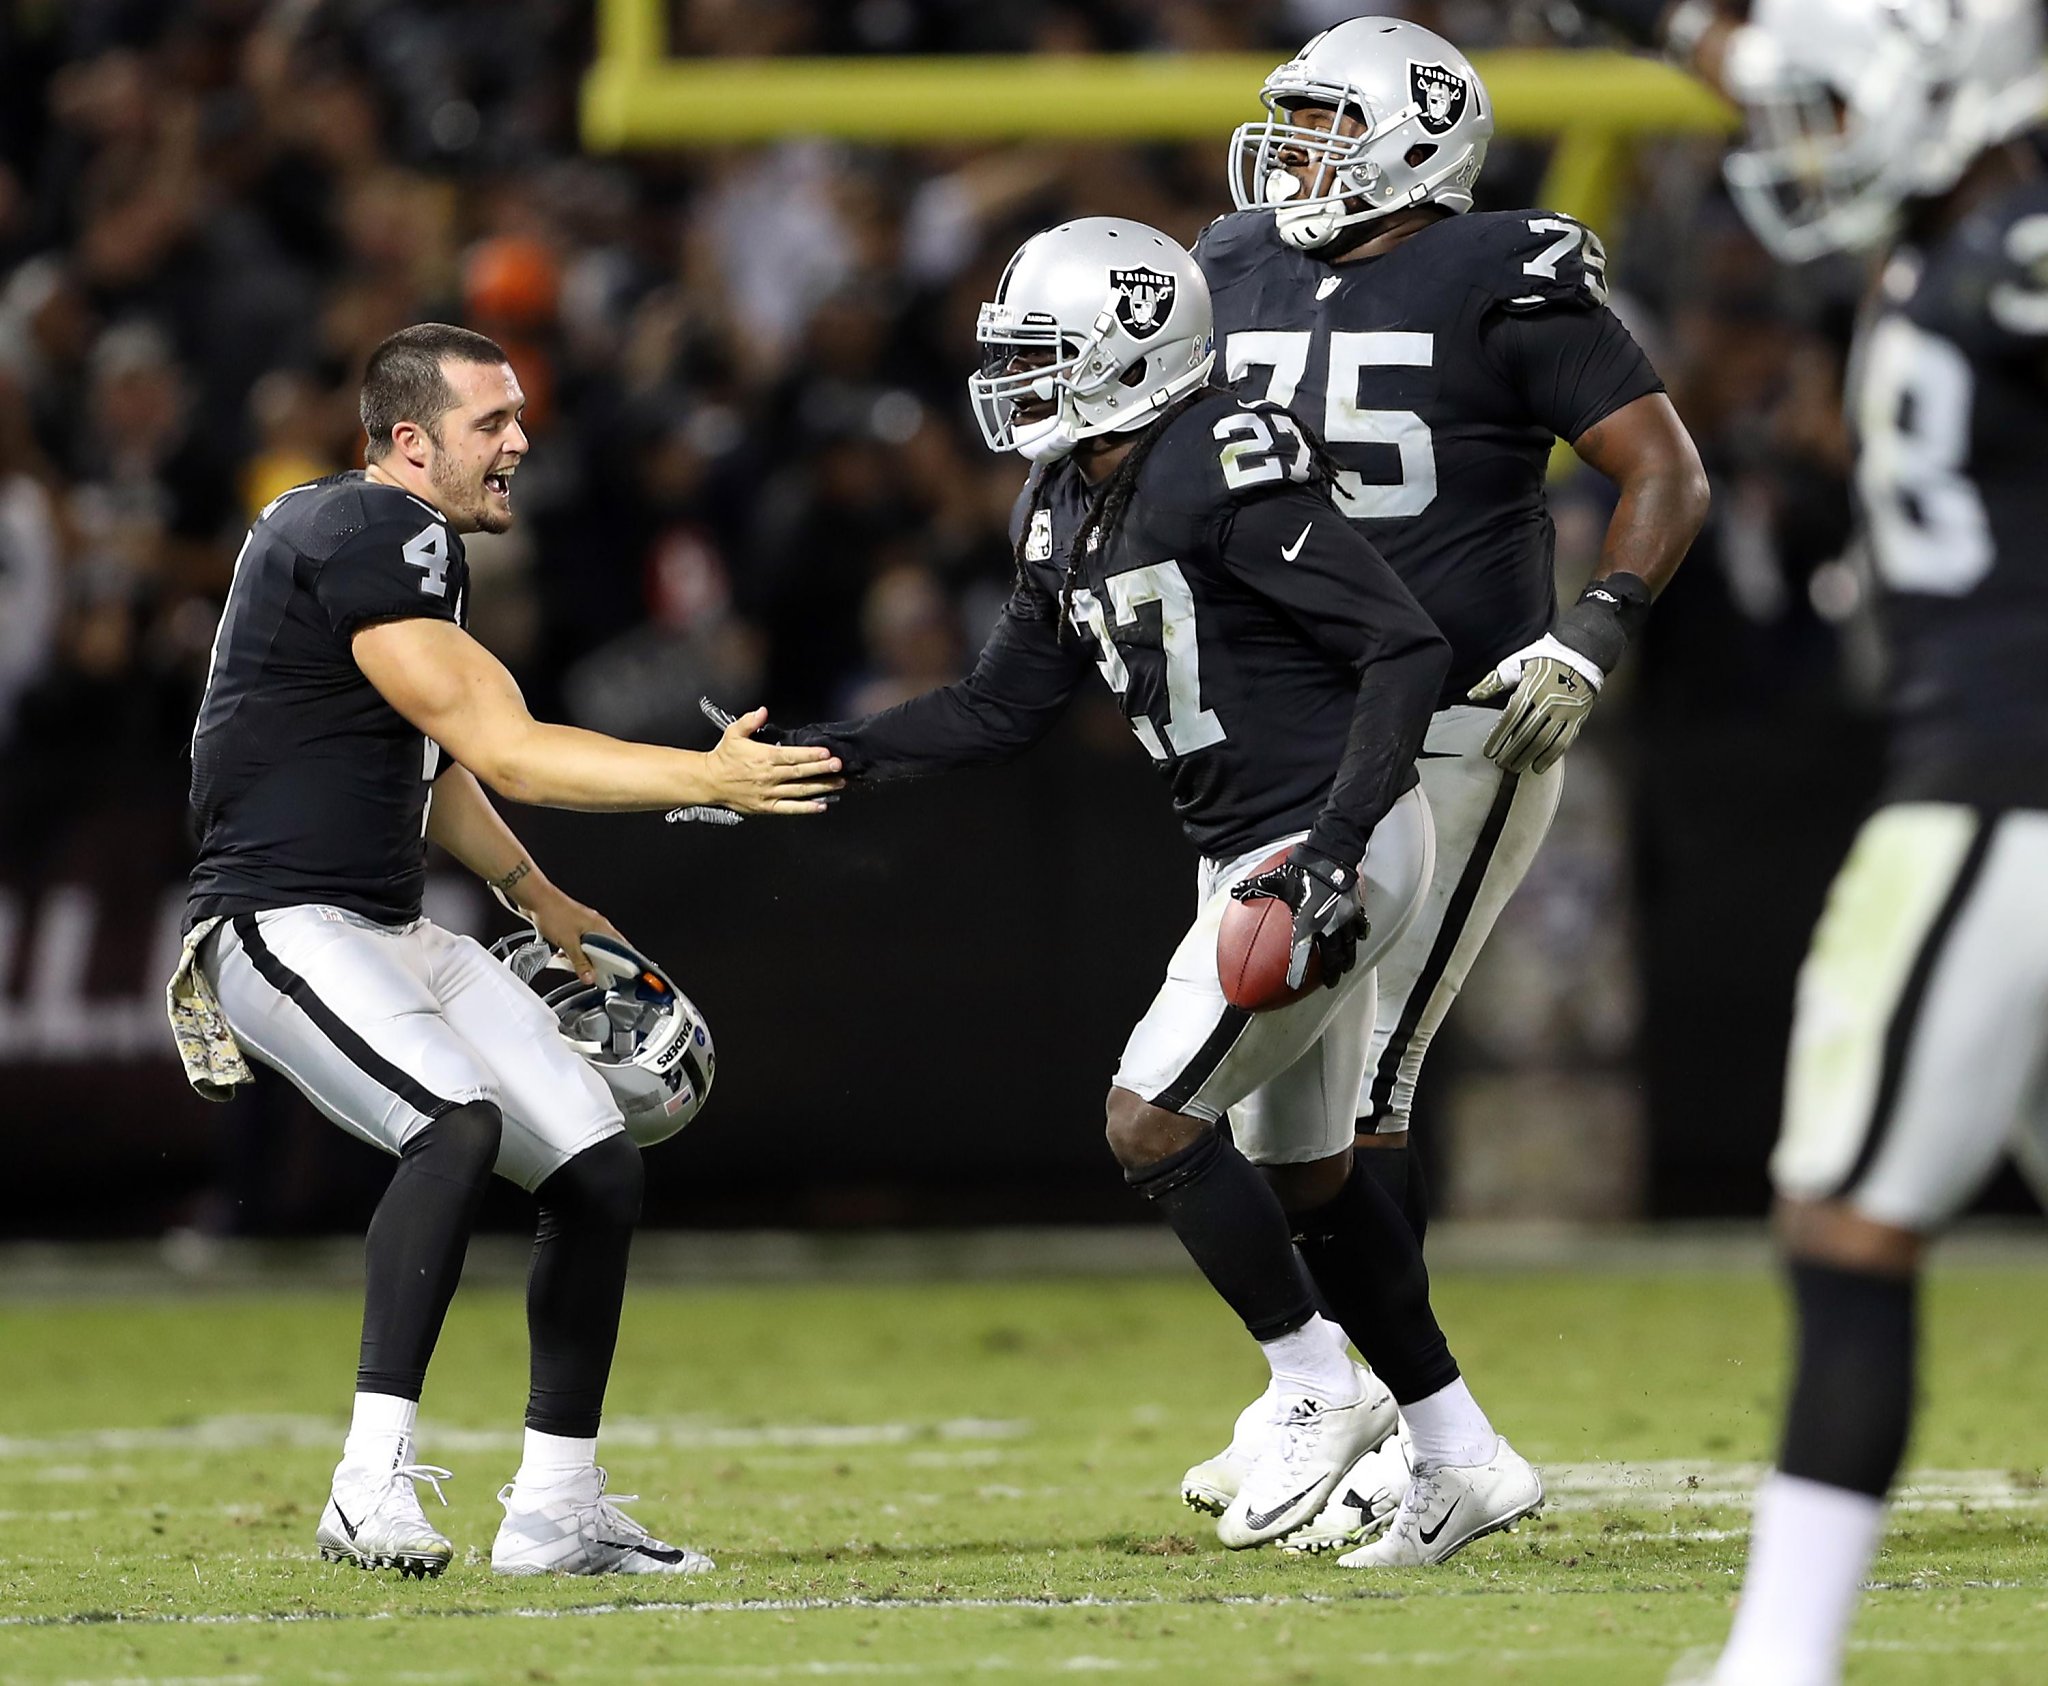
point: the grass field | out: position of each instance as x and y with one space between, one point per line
975 1481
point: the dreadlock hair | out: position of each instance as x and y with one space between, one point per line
1105 515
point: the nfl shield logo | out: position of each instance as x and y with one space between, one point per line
1144 300
1441 93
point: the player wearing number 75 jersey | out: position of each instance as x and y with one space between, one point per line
1440 352
1181 542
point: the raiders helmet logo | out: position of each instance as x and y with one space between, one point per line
1144 300
1441 93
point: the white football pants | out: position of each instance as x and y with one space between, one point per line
1920 1038
1289 1076
1489 825
384 1028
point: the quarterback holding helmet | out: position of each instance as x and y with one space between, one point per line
349 720
1440 351
1900 131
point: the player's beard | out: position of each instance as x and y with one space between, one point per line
465 499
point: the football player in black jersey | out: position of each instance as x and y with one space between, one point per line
349 720
1920 1038
1441 352
1182 543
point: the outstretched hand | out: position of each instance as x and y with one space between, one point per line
754 776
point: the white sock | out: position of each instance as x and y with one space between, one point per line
1449 1428
551 1459
1810 1546
1314 1359
380 1431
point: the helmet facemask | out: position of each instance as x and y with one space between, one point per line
1319 180
1041 391
1850 114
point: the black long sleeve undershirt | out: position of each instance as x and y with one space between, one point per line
1021 684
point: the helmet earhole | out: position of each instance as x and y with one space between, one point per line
1418 155
1135 373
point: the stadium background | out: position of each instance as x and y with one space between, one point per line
754 476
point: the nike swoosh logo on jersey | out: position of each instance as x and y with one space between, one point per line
1429 1535
1328 286
1420 755
1256 1521
1291 551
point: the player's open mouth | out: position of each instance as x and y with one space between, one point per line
499 484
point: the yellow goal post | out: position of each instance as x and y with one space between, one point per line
636 96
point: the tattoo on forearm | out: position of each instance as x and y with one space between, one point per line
504 885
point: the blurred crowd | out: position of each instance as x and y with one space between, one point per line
753 471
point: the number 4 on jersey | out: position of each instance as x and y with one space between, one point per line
428 549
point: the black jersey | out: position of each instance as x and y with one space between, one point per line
1438 374
1239 619
307 786
1949 397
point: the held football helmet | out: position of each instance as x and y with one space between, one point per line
642 1034
1426 122
1854 107
1096 326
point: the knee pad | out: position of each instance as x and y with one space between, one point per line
605 1183
461 1145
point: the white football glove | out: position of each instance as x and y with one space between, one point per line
1554 687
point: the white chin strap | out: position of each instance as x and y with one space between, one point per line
1041 441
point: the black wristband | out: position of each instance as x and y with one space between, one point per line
1639 20
1608 614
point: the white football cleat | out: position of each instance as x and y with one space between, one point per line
1212 1484
1313 1444
1448 1506
1362 1503
373 1518
574 1529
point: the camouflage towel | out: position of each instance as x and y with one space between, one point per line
214 1062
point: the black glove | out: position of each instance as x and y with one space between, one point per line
1640 20
1327 917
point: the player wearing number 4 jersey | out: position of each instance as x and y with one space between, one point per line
1920 1040
1182 544
1440 352
347 721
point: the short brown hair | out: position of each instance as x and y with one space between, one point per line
404 381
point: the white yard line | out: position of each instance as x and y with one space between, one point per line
241 1433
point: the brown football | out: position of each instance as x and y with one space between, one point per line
1251 950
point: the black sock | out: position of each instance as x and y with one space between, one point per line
1233 1228
1368 1266
578 1282
1852 1393
1398 1171
412 1256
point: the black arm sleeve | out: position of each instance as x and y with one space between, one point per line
1020 685
1573 368
1345 597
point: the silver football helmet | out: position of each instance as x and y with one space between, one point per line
1425 118
641 1034
1096 326
1854 107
